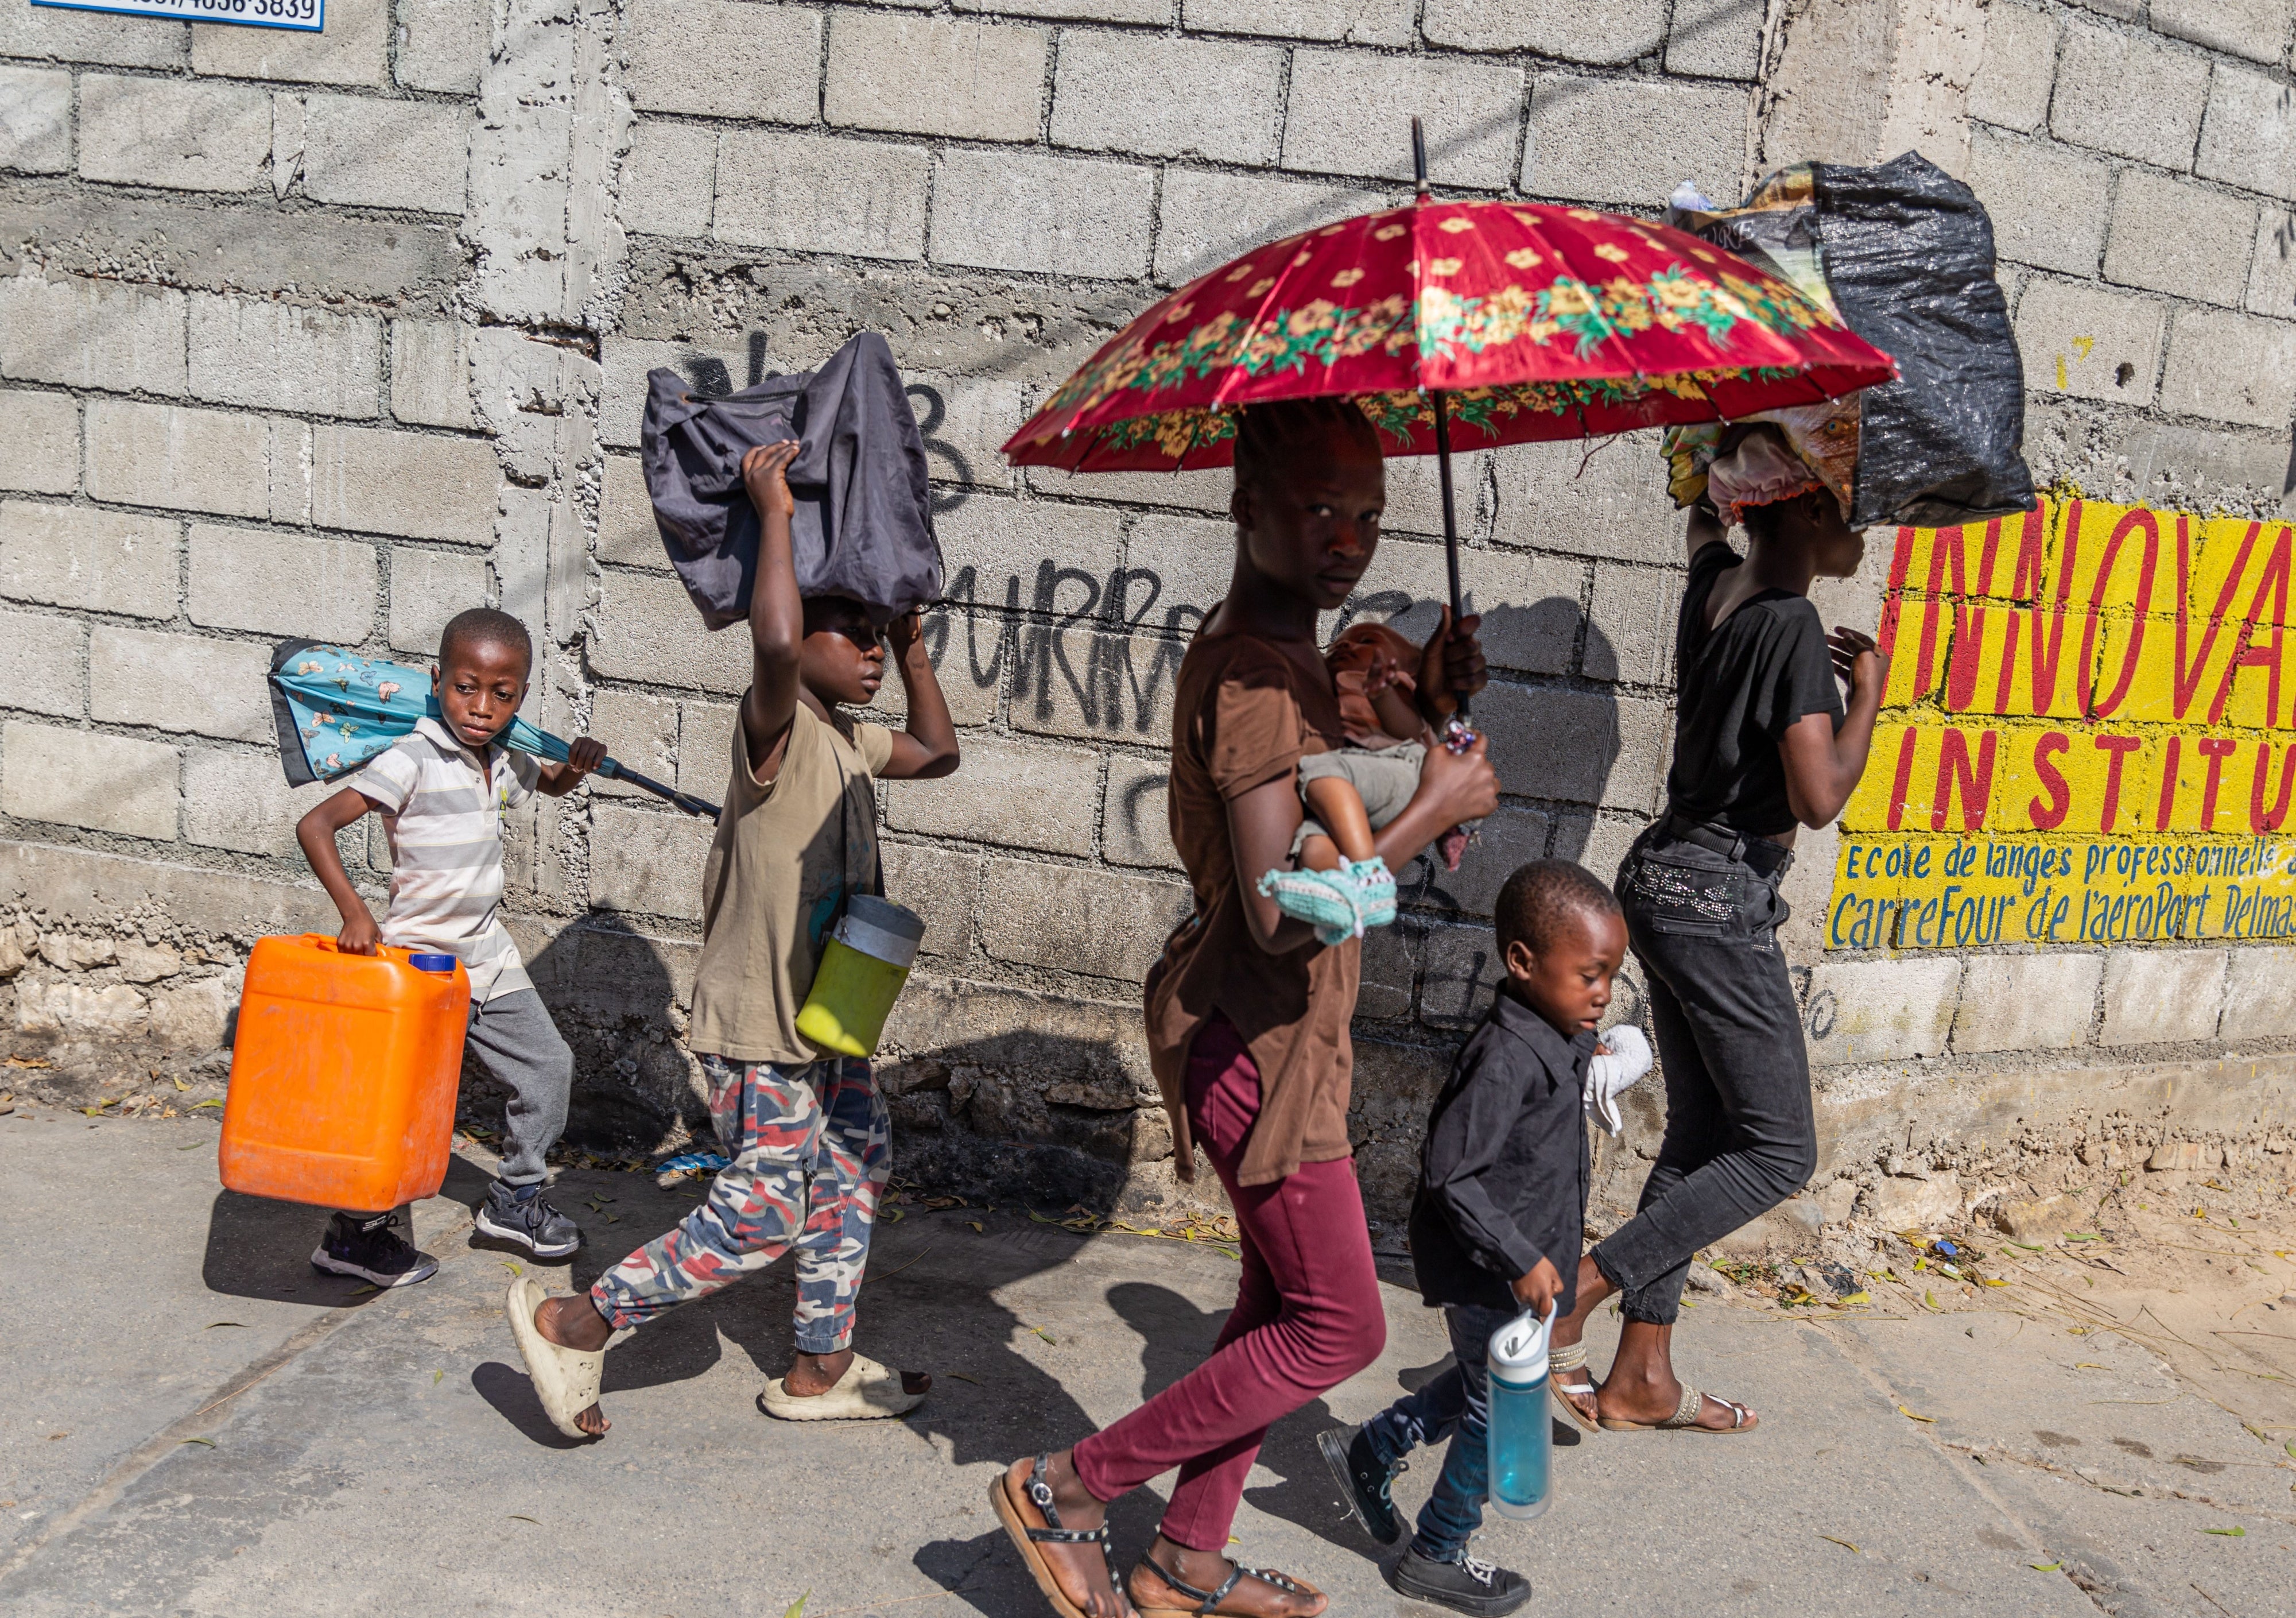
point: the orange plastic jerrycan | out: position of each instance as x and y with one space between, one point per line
343 1074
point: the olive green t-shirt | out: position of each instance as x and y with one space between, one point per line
788 853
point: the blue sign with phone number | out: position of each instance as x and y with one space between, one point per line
305 16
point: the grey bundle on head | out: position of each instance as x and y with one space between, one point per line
1544 897
1266 435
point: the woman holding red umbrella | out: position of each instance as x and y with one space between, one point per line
1248 1031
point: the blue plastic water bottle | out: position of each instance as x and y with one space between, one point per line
1522 1430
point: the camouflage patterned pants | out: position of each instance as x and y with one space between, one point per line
811 1146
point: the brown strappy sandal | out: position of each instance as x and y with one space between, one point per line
1026 1537
1208 1602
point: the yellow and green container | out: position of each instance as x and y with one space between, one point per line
862 966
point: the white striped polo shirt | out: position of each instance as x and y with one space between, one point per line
442 807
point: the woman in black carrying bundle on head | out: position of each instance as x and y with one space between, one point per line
1763 746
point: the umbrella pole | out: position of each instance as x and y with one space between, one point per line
1450 516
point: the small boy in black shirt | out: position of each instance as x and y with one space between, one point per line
1496 1225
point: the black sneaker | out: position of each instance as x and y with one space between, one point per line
1468 1585
527 1220
368 1246
1364 1480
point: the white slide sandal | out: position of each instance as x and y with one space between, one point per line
565 1380
866 1392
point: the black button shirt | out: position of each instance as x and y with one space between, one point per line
1503 1179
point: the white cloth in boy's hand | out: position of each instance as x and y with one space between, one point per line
1622 1057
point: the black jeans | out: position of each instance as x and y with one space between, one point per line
1740 1134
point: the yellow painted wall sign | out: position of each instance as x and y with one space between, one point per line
2089 736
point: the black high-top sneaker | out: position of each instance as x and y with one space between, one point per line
368 1246
517 1214
1468 1585
1363 1479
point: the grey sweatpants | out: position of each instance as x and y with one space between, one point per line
518 1044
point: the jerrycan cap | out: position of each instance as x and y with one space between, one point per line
432 962
1519 1349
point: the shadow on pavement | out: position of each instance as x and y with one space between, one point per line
260 1248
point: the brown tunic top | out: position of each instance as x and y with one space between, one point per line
1246 713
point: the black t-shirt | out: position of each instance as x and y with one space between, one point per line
1742 686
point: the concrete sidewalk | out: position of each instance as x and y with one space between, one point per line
201 1424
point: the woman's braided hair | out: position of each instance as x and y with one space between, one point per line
1266 435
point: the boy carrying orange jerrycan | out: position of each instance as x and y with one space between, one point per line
348 1053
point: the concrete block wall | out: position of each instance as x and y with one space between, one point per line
334 336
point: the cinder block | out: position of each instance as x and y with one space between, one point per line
940 887
427 589
282 584
2154 995
1167 97
61 36
1091 922
415 485
1632 140
1390 973
1080 10
2272 272
178 133
1184 563
968 670
39 441
1057 216
1622 31
1024 795
1208 217
1135 827
2018 68
1377 23
240 802
822 193
627 534
443 44
35 121
430 373
763 60
2083 340
624 363
190 460
1000 541
2047 205
1630 632
291 471
2259 1000
40 657
647 629
276 356
76 556
178 682
1880 1010
2231 368
82 777
669 180
1204 491
412 154
646 863
965 422
638 730
1414 496
1715 39
90 333
1530 604
1503 842
1606 499
2171 237
705 748
2025 1002
1459 967
1472 110
2249 137
1598 842
354 48
2121 92
1578 746
1077 682
933 76
2257 29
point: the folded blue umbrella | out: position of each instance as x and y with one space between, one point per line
336 709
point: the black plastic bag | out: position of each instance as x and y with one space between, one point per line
1904 253
862 527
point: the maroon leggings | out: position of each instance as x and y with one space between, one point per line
1308 1317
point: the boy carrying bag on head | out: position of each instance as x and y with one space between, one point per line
809 1136
442 790
1496 1224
